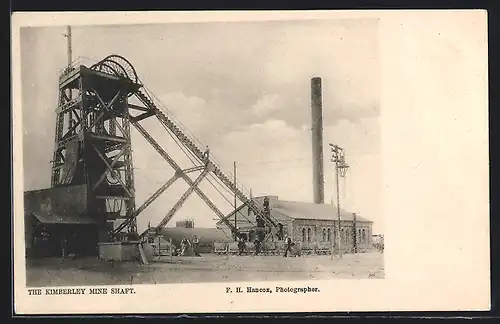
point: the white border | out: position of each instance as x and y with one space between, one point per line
435 206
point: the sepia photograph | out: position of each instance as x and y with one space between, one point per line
199 152
208 162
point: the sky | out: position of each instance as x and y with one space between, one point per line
243 89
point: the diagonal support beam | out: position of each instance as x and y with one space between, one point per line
176 167
117 157
117 95
143 116
113 173
154 196
182 200
238 211
106 108
194 169
71 129
159 149
136 107
158 192
78 118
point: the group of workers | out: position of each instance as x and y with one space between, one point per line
186 244
289 244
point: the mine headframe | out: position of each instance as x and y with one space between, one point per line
93 147
92 140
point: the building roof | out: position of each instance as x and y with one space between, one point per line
303 210
281 209
51 218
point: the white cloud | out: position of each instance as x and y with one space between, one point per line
273 127
190 110
270 139
346 57
360 137
267 104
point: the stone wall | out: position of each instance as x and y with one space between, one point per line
323 233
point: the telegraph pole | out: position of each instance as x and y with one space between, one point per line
339 239
333 233
355 236
340 169
234 174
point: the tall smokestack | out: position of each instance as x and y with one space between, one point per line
317 140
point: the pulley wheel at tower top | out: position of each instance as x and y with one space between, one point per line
117 65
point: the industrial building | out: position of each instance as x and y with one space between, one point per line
313 225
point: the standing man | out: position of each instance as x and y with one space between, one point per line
288 247
184 245
241 245
206 154
267 211
64 246
195 245
257 246
45 242
36 245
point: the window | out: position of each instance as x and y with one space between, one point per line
363 237
324 235
304 238
329 237
309 235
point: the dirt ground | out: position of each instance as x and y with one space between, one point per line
208 268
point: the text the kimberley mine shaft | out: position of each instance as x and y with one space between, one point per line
81 291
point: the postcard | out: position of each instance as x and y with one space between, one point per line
273 161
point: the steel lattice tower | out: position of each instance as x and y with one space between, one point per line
92 140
